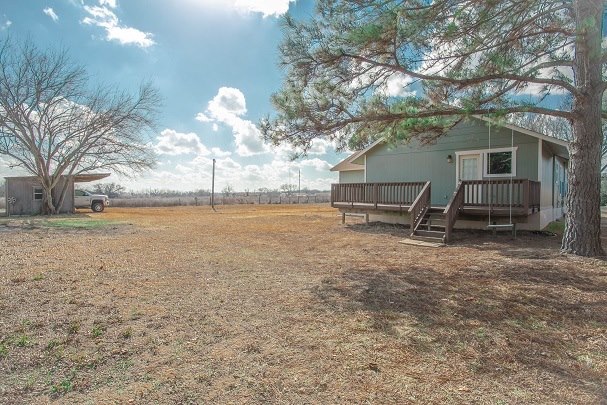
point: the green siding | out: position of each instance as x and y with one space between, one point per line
547 175
414 162
352 176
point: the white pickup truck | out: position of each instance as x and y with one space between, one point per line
96 202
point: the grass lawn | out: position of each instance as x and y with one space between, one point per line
283 304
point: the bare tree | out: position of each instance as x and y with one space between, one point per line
52 124
557 127
227 191
449 59
112 190
288 188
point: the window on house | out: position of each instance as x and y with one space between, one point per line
38 193
500 163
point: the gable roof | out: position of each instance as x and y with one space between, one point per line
347 164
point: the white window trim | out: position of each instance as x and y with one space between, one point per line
484 152
458 154
497 150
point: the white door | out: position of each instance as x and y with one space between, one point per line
470 169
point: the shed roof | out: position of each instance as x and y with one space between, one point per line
85 178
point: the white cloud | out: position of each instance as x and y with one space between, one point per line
268 8
5 25
385 82
51 13
220 153
202 117
247 138
227 107
104 17
397 85
319 146
318 164
228 102
171 142
196 174
109 3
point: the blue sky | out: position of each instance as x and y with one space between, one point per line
213 61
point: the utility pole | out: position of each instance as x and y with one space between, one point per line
298 184
213 187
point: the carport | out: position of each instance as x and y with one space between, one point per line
24 194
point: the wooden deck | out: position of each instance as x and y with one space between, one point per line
472 199
479 196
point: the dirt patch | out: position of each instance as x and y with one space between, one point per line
283 304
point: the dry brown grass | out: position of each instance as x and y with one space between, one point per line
283 304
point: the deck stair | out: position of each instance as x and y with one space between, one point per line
432 227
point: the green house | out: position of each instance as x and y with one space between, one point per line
478 175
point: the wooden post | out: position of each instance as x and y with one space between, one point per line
526 196
375 194
343 218
213 187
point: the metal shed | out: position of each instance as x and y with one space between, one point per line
24 194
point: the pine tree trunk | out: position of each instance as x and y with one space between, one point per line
583 227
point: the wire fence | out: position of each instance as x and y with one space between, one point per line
221 200
156 201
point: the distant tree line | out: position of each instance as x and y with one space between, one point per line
115 190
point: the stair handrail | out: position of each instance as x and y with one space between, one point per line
452 209
420 206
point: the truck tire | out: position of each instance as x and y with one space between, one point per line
97 206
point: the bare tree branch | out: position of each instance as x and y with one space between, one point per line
51 125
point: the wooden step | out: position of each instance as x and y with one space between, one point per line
438 222
430 234
428 239
438 228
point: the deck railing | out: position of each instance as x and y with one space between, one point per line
376 193
502 193
520 194
452 209
420 206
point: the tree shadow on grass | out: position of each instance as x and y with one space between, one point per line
521 316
